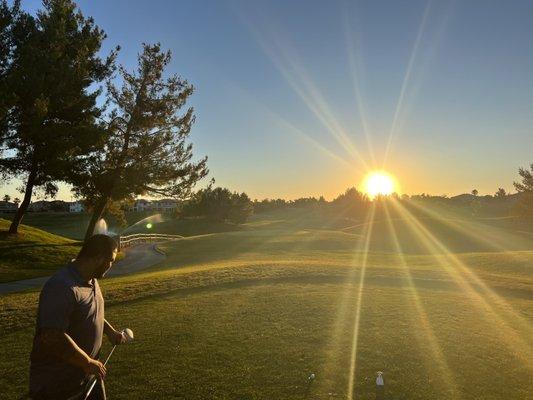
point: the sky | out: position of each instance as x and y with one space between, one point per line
305 98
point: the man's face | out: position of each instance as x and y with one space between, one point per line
104 265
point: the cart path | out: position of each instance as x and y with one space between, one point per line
136 259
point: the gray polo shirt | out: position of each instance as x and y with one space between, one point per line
69 304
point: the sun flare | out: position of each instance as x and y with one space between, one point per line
379 183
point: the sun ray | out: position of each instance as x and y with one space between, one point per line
405 83
290 126
431 339
351 45
314 100
519 347
344 307
296 76
355 337
480 234
461 266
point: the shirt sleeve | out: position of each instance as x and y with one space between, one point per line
56 304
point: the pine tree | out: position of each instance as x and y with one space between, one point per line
146 152
527 180
51 121
8 16
524 208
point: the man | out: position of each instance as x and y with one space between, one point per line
71 324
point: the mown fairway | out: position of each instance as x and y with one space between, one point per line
250 314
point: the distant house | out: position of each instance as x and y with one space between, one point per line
164 205
7 207
141 205
45 206
76 207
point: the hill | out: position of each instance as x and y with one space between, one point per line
33 252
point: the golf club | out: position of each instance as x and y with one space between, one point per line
128 334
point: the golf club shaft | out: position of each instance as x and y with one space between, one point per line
109 355
94 378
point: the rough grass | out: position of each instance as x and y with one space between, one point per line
250 314
32 252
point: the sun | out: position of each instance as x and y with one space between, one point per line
379 183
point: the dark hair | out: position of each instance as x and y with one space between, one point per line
98 246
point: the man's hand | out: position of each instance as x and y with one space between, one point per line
95 367
116 337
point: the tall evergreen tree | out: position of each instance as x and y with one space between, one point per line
526 185
8 16
146 152
51 121
524 208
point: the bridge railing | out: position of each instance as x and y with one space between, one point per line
130 240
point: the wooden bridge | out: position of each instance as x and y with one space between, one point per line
130 240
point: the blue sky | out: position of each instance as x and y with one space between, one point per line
301 98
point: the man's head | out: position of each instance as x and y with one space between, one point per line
97 255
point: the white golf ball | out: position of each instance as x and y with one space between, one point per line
312 376
128 334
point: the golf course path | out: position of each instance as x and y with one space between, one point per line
136 258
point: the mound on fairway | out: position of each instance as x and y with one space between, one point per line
32 252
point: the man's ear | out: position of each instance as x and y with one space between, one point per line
98 260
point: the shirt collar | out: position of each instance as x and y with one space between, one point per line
77 277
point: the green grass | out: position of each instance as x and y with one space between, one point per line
32 252
249 314
73 225
70 225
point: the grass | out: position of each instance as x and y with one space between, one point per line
249 314
73 225
32 252
69 225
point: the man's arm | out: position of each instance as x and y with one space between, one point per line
61 345
114 336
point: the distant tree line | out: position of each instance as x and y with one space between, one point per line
53 128
219 204
354 204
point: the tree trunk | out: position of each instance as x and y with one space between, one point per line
25 202
97 214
